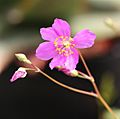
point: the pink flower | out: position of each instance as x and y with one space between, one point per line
20 73
60 47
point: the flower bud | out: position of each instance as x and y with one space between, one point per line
20 73
21 57
74 73
68 72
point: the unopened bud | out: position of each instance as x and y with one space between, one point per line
21 57
20 73
68 72
74 73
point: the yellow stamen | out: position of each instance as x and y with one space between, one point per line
64 45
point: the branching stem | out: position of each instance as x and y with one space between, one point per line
91 79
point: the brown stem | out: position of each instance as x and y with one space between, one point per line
81 73
103 101
63 85
85 76
85 65
96 89
68 87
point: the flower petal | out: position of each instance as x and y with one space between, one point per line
72 60
46 51
48 34
61 27
68 62
59 60
84 39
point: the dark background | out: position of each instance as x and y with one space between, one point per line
35 97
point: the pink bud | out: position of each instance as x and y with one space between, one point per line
20 73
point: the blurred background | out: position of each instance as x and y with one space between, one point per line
37 97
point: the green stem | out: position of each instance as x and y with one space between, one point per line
80 76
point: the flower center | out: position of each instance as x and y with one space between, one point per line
66 44
63 45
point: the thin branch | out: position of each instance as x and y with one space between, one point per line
103 101
63 85
85 65
96 89
68 87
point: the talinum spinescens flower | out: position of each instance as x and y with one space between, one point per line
62 48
